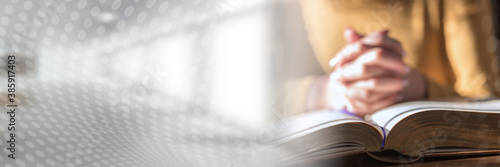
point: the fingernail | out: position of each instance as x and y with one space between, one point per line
384 32
333 62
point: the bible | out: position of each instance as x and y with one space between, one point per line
401 133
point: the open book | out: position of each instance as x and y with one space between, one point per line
401 133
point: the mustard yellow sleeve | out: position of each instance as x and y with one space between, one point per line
436 90
471 47
324 29
295 94
295 91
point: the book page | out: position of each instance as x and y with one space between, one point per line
313 121
390 116
325 133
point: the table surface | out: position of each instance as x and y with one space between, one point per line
365 160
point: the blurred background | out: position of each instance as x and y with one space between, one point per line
147 82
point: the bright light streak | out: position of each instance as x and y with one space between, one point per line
239 67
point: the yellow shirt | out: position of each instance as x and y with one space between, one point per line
450 42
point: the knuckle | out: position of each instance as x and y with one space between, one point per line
368 109
360 46
372 98
364 94
398 43
378 53
363 69
372 83
379 40
357 45
402 84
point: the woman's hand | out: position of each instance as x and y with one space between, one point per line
370 74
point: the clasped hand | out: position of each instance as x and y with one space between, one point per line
369 74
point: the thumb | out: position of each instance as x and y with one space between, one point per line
351 36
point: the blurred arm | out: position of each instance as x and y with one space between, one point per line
471 47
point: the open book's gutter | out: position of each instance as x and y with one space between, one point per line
383 140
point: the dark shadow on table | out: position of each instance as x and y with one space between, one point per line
365 160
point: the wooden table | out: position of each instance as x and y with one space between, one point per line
365 160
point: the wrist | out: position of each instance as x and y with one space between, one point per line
417 88
317 97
